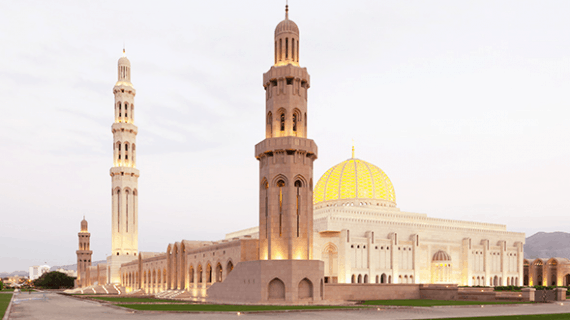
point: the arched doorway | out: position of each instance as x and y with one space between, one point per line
305 289
276 290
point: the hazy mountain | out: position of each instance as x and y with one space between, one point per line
547 245
74 266
20 273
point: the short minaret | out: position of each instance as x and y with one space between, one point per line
124 174
84 253
286 155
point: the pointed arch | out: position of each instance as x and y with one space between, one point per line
305 289
301 179
219 272
229 266
269 125
276 289
330 248
280 177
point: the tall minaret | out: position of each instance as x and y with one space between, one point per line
84 253
124 174
286 155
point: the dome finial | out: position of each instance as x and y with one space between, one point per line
287 10
352 148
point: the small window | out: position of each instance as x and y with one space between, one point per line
282 122
352 246
376 248
294 122
289 81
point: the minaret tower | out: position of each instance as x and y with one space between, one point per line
124 174
286 155
285 270
84 253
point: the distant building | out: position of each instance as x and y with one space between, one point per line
37 271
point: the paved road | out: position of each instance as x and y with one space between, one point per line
57 307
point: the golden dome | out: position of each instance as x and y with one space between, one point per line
355 179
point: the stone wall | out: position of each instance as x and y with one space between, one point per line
370 291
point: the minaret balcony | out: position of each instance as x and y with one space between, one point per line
286 143
288 71
124 171
124 127
124 86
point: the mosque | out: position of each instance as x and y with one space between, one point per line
346 228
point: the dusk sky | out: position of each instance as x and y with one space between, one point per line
464 104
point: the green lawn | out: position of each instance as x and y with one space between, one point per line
430 303
4 302
7 290
223 308
560 316
133 299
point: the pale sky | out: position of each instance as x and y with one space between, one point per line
464 105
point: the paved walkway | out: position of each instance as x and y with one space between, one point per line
57 307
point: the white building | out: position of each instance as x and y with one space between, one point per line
363 237
37 271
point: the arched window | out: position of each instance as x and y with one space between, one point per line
119 151
127 210
120 112
293 49
294 122
209 273
118 212
230 266
219 272
352 280
286 48
280 184
126 151
282 122
126 110
359 278
270 124
298 185
280 49
266 187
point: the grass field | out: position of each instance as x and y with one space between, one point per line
223 308
133 299
4 302
430 303
560 316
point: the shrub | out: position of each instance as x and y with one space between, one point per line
54 280
1 285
